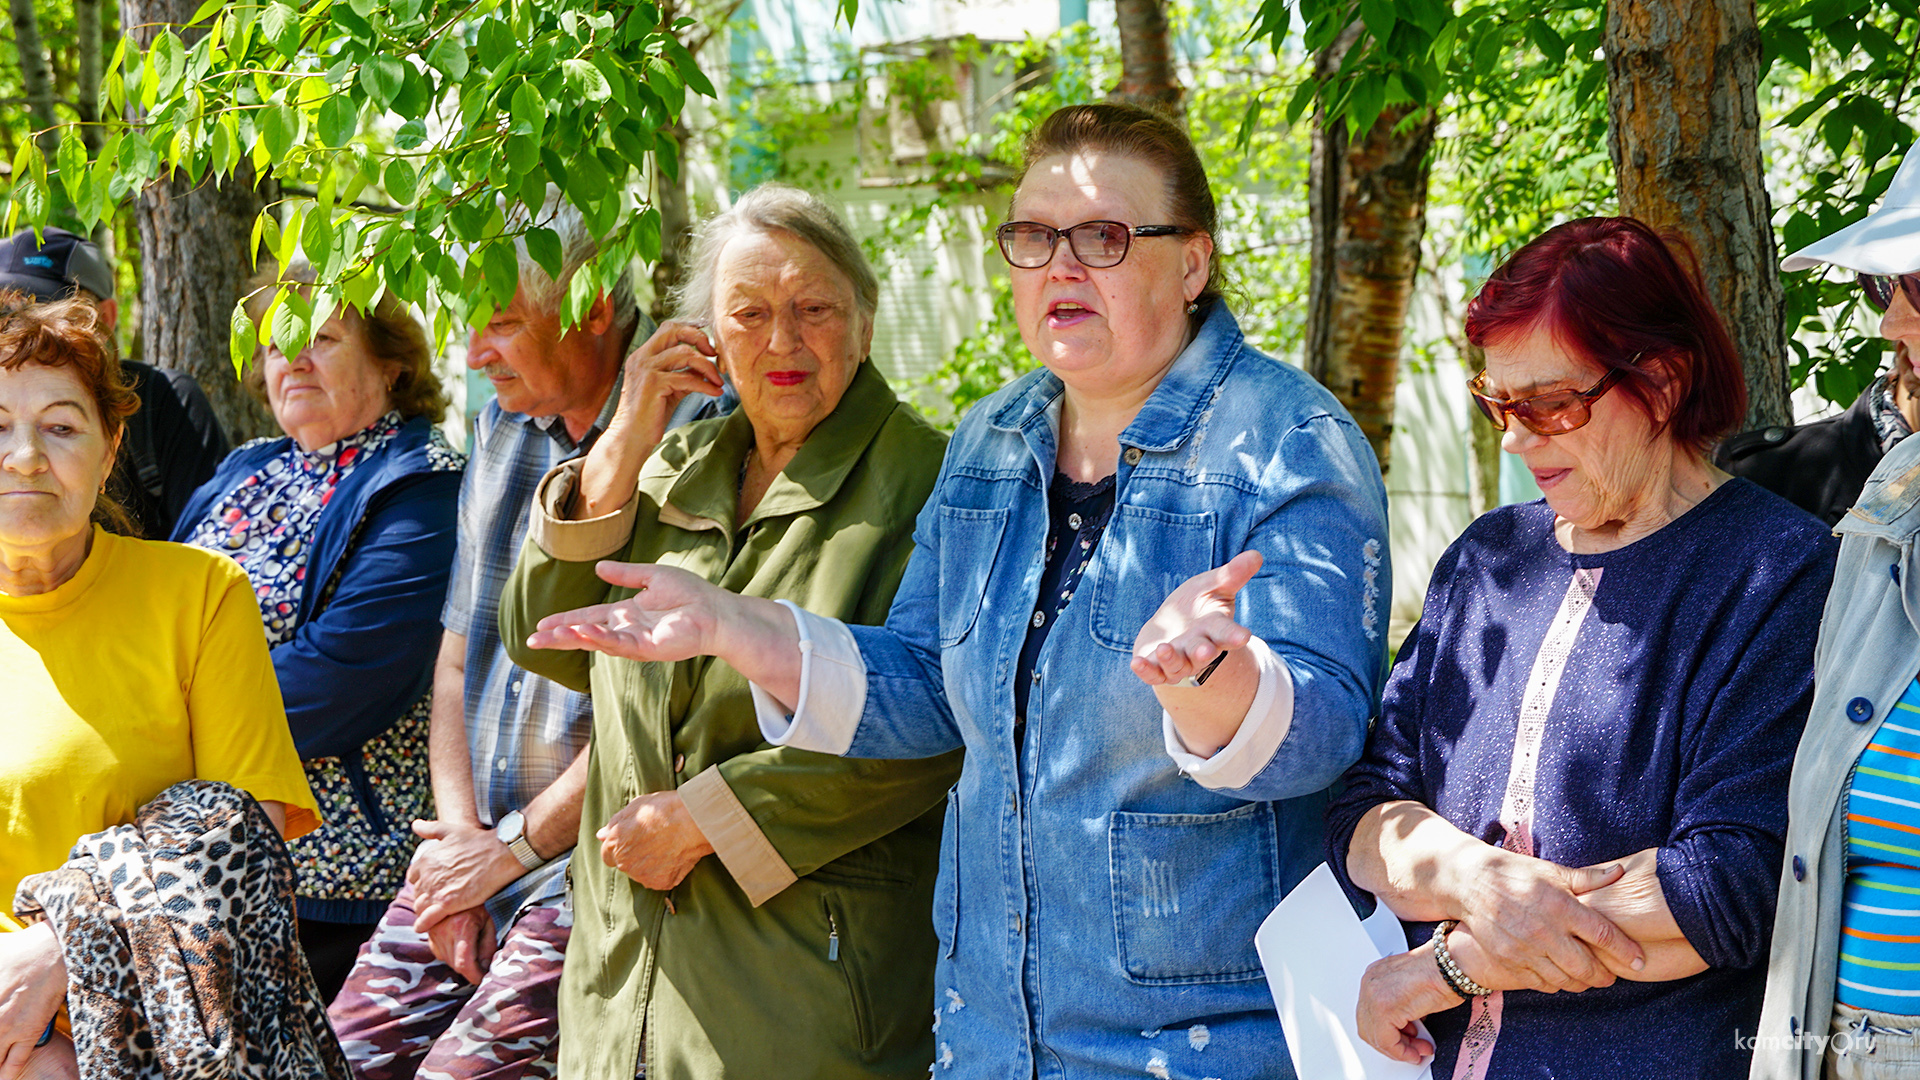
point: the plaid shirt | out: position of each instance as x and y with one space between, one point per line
522 730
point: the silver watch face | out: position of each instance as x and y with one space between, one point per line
511 826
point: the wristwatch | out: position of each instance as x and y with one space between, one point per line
512 831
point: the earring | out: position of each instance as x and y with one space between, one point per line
1193 306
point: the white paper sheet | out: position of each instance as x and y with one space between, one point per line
1314 949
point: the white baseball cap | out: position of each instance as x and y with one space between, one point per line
1886 241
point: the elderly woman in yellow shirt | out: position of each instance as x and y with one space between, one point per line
128 665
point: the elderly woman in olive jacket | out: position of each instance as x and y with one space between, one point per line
804 947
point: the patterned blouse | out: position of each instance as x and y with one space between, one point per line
267 523
357 861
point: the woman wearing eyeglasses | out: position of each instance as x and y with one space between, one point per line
1843 982
1148 596
1574 795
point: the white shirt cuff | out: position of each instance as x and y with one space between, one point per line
1264 728
833 689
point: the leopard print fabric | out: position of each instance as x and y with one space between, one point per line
182 958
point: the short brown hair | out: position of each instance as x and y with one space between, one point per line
1149 138
69 334
394 336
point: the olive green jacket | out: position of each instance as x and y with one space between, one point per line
804 947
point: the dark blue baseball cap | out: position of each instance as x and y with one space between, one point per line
50 270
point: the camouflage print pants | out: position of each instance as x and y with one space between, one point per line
404 1014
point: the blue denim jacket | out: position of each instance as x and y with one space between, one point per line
1096 908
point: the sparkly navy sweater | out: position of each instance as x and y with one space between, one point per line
1673 726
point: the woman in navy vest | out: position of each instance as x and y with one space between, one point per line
346 529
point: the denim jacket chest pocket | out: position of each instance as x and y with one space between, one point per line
969 548
1144 555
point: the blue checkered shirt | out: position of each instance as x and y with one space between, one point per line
522 730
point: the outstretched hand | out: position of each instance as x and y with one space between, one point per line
1194 623
672 616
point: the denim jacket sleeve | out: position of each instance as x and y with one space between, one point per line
907 712
350 671
1319 601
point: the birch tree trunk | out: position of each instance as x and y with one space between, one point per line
1368 203
194 260
36 76
1684 133
1147 76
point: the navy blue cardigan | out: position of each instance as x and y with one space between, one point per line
351 671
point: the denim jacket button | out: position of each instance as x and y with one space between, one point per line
1859 710
1132 455
1799 869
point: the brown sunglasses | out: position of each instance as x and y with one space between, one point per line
1879 289
1553 413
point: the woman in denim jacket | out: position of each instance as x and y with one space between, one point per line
1162 506
1843 982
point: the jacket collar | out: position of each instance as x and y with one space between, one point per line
1889 507
1175 407
708 489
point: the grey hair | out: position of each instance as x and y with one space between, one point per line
773 207
576 247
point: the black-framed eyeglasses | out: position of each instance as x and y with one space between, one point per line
1554 413
1029 245
1879 289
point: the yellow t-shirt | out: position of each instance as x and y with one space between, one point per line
147 668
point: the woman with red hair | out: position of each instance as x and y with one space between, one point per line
1578 774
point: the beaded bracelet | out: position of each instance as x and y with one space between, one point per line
1449 970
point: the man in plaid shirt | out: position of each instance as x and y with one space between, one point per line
461 977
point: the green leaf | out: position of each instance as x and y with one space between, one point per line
278 125
1301 102
449 57
410 135
281 25
1548 41
646 235
523 154
169 60
1243 138
415 91
338 121
316 237
292 321
31 196
1379 17
633 142
689 69
242 338
289 238
205 10
400 181
529 111
495 44
543 245
380 77
223 151
585 80
502 268
71 160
